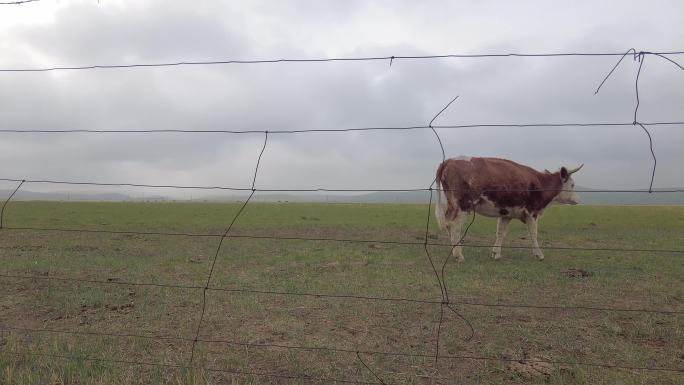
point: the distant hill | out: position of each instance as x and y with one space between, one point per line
587 197
25 195
640 198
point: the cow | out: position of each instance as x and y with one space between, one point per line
501 189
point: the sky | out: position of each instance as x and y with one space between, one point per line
335 95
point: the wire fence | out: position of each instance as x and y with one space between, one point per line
446 303
18 2
388 58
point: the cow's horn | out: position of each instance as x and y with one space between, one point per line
575 170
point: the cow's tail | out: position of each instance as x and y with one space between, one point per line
439 209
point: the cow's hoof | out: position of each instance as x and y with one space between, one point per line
496 255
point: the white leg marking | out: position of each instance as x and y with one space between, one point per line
455 228
532 228
501 231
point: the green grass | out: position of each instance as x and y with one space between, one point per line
653 280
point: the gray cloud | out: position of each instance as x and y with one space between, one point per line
336 95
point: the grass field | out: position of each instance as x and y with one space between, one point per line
638 280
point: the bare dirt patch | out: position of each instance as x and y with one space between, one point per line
577 273
532 368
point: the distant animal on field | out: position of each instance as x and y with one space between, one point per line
501 189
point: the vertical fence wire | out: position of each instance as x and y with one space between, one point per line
218 249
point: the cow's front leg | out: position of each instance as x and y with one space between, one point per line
532 228
454 229
501 231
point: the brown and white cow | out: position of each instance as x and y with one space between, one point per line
498 188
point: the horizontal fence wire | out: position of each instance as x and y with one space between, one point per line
389 58
186 367
333 130
18 2
319 189
342 350
348 240
341 296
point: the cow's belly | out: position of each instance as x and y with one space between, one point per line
487 208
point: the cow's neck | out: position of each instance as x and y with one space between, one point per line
551 186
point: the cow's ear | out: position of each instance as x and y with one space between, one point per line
564 173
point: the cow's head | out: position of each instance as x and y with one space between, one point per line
568 195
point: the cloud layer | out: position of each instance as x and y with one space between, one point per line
335 95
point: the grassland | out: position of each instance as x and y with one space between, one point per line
638 280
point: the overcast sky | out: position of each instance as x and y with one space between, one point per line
335 95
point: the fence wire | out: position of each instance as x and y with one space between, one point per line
321 189
389 58
343 296
445 302
332 130
347 240
336 350
19 2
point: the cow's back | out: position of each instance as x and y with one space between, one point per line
503 182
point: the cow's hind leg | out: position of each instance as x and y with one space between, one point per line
501 231
532 228
455 227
